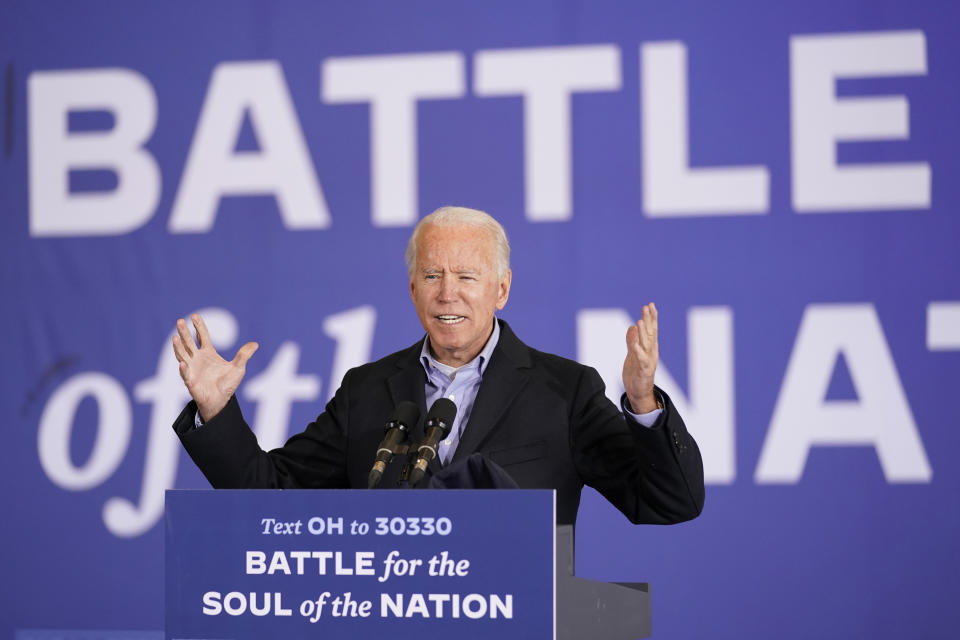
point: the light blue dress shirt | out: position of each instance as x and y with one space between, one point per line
459 384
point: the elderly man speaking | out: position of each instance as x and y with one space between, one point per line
543 419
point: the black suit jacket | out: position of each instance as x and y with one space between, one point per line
543 418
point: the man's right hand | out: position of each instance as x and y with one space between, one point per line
210 379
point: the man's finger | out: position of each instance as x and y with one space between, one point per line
244 354
635 340
633 337
646 339
650 318
186 340
203 336
648 323
178 349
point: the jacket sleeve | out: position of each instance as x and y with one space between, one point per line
227 452
654 475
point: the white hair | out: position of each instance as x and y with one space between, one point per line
462 217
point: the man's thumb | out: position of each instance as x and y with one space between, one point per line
244 354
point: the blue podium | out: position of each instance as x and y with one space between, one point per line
408 563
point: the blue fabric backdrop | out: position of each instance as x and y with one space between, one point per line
778 177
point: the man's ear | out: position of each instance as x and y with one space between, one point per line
504 292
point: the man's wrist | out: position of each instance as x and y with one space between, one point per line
646 404
647 419
209 412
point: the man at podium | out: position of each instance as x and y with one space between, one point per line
543 419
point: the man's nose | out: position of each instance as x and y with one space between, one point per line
448 287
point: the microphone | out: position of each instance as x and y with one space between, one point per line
404 416
439 420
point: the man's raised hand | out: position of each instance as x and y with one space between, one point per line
643 353
210 379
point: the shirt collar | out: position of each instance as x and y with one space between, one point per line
480 361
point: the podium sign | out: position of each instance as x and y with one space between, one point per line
346 563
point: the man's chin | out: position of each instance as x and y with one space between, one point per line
445 344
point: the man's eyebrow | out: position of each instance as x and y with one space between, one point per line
456 270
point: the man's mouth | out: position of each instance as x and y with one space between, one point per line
451 319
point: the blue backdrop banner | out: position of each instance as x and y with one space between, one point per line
778 177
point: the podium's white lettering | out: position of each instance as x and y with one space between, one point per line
446 605
275 527
395 565
236 603
280 562
331 526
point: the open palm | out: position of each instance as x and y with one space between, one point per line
209 378
640 365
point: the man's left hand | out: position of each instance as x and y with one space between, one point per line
641 362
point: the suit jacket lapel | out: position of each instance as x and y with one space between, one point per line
409 383
410 380
503 379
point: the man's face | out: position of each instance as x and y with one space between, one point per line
456 290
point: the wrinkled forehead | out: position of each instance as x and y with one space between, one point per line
456 247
